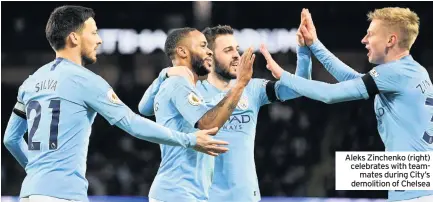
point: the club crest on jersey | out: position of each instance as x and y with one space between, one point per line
193 99
243 103
374 73
113 97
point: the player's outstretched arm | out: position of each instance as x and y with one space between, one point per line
303 53
333 65
217 116
148 130
328 93
98 95
117 113
381 79
15 130
145 107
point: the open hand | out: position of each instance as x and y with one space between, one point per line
271 64
207 145
245 68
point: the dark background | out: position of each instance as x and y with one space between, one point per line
295 141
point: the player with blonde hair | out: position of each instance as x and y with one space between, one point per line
402 87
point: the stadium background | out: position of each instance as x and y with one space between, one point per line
296 140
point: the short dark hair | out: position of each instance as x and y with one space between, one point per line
173 39
211 33
64 20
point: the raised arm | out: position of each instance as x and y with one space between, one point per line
338 69
217 116
148 130
303 69
277 91
303 63
303 53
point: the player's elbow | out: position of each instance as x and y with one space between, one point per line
144 109
200 125
8 141
332 94
141 110
203 125
290 97
328 100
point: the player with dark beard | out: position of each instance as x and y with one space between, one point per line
235 177
198 65
184 174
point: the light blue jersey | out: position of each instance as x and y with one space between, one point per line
404 106
57 99
403 101
235 177
404 111
60 102
184 174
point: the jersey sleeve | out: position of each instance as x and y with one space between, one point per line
338 69
20 95
383 79
328 93
263 91
303 62
15 130
145 107
99 95
19 108
13 138
267 91
148 130
187 100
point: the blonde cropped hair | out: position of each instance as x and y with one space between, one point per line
403 19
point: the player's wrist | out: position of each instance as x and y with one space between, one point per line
315 44
241 84
305 50
285 75
192 137
243 80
